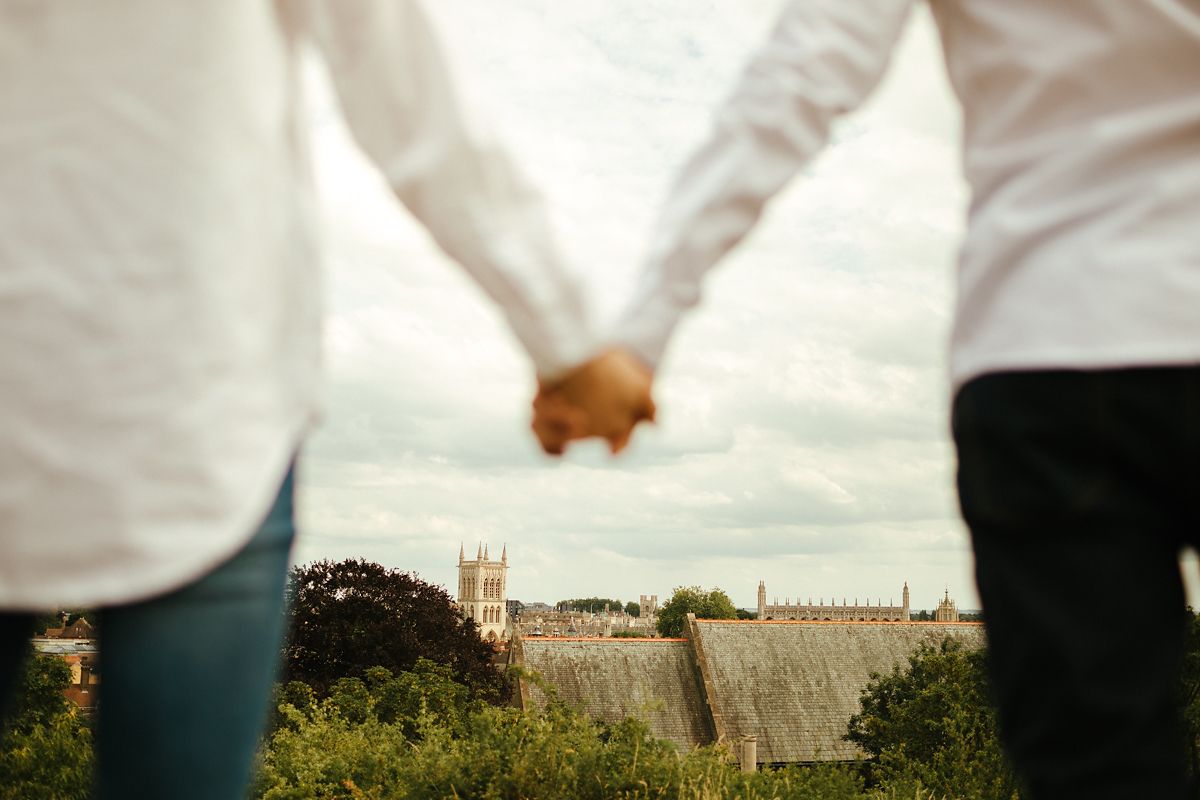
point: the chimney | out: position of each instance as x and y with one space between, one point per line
749 754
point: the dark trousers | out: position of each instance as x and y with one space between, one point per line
185 677
1080 490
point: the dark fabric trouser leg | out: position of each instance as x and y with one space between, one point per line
1078 489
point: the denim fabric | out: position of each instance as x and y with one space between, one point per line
1080 490
185 677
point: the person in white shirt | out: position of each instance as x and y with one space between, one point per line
1075 347
160 330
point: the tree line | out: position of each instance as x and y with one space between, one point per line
599 605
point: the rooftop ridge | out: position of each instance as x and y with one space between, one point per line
829 622
601 638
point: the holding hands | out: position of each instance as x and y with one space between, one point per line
605 397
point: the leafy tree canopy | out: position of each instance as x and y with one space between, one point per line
633 609
353 615
931 725
46 749
713 604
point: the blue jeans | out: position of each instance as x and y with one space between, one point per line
186 677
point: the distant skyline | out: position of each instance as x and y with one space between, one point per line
803 434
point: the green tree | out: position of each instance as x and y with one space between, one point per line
353 615
931 726
713 604
633 609
590 605
46 748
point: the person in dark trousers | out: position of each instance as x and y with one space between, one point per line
1075 346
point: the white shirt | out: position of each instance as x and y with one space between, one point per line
160 297
1081 148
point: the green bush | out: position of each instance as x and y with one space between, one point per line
931 726
46 749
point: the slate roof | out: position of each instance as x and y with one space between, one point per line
795 685
653 679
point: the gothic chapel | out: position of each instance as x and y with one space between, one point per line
483 591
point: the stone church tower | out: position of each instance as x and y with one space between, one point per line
483 591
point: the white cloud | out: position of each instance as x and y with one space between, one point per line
802 438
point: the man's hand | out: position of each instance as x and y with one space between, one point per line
606 397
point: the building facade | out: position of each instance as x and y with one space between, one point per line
947 611
831 611
483 591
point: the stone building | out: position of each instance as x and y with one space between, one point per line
831 611
483 591
791 684
580 624
946 610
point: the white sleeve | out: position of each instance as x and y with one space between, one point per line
402 106
822 59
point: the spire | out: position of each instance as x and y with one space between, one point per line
504 554
461 553
485 553
479 552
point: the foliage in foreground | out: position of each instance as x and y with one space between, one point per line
330 750
46 749
931 725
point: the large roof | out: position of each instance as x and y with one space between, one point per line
794 685
610 679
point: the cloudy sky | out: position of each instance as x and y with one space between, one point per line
802 436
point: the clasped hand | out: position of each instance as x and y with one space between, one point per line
605 397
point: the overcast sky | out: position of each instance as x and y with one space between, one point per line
803 425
